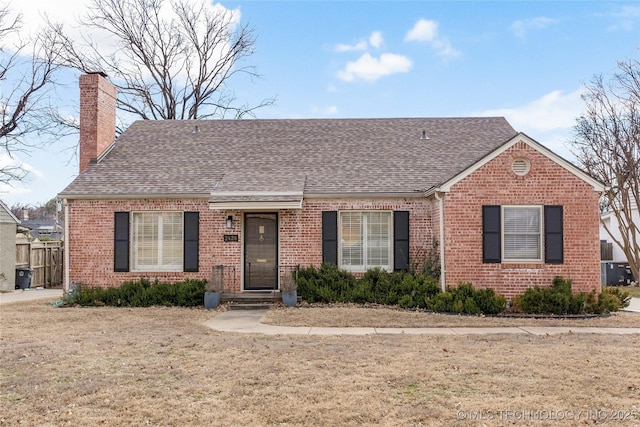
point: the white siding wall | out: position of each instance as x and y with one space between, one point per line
612 224
7 250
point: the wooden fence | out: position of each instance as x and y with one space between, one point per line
44 258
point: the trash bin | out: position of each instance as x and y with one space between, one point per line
23 278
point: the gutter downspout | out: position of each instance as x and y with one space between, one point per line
440 198
65 286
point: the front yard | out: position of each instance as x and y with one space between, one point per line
161 366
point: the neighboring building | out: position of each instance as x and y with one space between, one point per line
43 226
615 268
8 228
173 199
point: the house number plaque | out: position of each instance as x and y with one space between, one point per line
230 237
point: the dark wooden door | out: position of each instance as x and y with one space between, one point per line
260 251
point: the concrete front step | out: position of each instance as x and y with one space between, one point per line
251 297
250 306
252 300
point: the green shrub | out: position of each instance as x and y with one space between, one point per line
622 295
331 284
325 284
141 293
558 299
465 299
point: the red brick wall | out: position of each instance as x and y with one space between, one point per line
545 184
97 117
91 235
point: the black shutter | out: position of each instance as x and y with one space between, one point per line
400 240
330 237
191 240
121 242
491 242
553 241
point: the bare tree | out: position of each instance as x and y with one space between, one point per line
27 70
607 145
176 65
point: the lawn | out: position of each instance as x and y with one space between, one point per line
161 366
634 291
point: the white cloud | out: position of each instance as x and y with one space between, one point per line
521 27
375 39
426 30
371 69
548 119
360 46
627 18
330 110
68 12
423 31
554 110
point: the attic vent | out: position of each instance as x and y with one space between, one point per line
424 135
520 166
196 129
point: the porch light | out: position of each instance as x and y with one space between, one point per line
230 221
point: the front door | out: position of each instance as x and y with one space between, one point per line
260 251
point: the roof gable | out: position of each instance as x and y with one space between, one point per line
6 216
520 137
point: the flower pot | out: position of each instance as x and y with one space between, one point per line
211 299
290 299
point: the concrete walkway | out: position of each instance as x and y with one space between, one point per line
249 321
634 305
31 294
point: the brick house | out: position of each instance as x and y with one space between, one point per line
172 199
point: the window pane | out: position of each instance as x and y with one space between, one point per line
522 235
378 239
157 241
351 239
365 240
519 246
521 220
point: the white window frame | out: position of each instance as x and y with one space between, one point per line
361 268
540 233
158 266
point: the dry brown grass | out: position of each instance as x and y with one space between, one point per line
634 291
345 315
161 366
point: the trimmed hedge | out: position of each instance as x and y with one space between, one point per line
405 289
332 284
465 299
141 293
558 299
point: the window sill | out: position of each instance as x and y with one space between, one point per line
522 265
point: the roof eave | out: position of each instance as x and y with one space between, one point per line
364 195
86 196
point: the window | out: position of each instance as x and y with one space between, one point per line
522 233
157 241
365 240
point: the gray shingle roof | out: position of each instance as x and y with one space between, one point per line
316 156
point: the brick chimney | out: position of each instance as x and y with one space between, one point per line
97 116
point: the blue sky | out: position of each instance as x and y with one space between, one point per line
527 61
